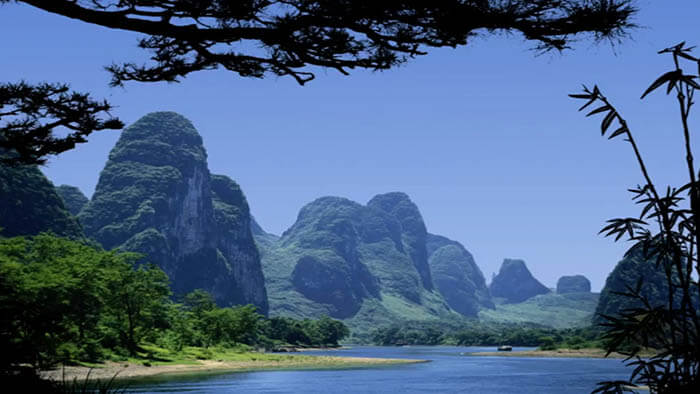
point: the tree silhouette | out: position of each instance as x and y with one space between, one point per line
30 113
666 233
255 38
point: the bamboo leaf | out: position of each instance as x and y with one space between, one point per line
580 96
671 75
607 121
690 80
617 132
599 110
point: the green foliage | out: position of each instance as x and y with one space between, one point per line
477 333
136 303
62 300
29 204
322 332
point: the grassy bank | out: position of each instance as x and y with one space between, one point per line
159 362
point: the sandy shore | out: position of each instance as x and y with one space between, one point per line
564 353
135 371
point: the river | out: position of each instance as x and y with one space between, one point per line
449 371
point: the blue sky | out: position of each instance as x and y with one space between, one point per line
483 138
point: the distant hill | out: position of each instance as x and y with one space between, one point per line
370 265
514 283
573 284
553 310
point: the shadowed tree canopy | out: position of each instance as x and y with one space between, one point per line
255 38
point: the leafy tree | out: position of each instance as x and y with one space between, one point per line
331 331
256 38
288 330
667 233
198 302
54 298
231 325
137 302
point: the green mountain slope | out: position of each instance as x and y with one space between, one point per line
457 277
553 310
29 205
367 264
73 198
156 196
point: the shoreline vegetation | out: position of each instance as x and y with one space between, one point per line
554 353
134 370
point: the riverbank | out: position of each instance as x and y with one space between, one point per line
564 353
252 362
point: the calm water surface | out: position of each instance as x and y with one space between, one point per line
449 371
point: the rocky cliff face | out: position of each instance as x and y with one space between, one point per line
156 196
514 282
457 277
235 240
367 264
29 205
73 198
573 284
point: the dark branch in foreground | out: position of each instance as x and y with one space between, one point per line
289 37
30 115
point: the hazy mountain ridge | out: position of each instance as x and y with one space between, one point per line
514 283
573 284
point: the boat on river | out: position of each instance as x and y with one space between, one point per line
505 348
